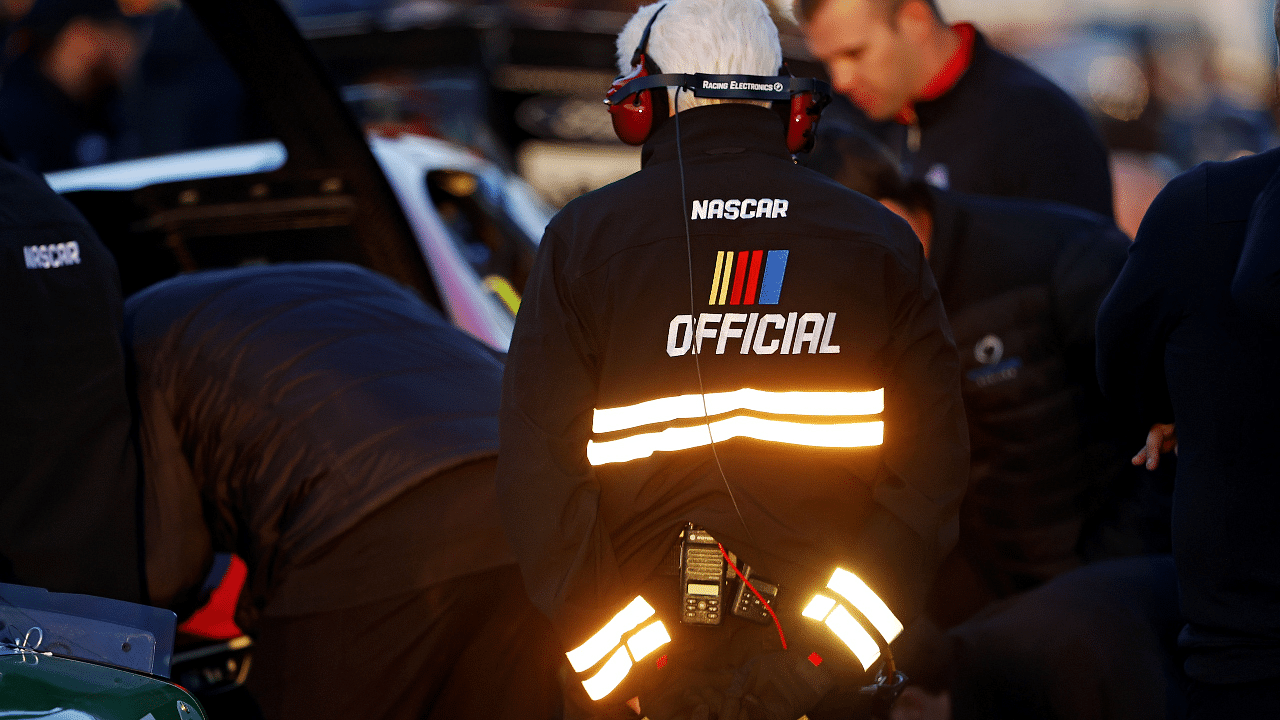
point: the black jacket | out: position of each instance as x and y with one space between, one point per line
1173 346
1022 282
281 405
606 323
1004 129
68 479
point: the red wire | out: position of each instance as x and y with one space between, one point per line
760 597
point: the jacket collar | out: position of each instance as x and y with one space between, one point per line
717 130
981 55
948 76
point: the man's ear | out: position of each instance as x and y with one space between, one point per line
916 703
915 19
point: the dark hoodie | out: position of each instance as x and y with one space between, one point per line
281 405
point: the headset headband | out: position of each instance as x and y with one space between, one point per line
643 46
637 100
736 87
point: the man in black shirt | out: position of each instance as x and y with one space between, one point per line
327 426
1189 337
68 500
1175 346
965 116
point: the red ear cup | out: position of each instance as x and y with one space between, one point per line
635 116
802 120
800 115
632 116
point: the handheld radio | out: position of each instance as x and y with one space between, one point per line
702 570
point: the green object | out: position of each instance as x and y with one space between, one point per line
34 685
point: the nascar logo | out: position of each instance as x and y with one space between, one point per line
749 277
44 257
739 209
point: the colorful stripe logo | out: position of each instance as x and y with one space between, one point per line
739 280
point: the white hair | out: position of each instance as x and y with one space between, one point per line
727 37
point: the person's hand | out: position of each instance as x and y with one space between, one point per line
781 685
1160 439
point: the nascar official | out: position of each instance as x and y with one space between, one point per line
727 340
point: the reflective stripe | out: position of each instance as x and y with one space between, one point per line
778 403
613 672
841 435
610 638
868 603
819 608
590 652
864 647
650 638
841 622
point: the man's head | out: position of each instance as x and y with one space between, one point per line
805 9
85 47
879 53
705 36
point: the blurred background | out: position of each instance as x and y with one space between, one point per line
1171 83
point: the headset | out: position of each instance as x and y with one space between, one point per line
636 109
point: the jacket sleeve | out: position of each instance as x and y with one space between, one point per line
914 521
1256 287
547 492
1142 308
